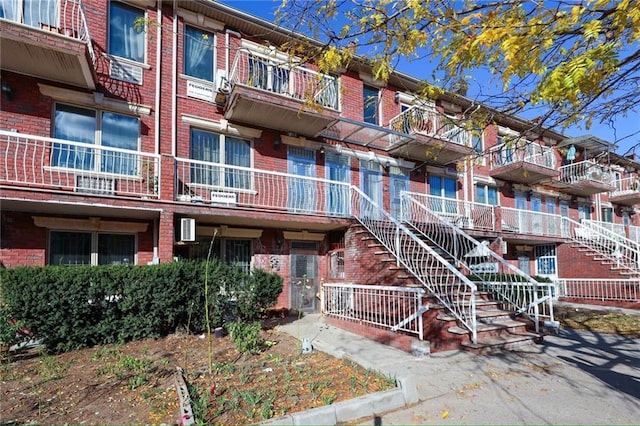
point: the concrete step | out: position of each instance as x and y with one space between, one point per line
501 343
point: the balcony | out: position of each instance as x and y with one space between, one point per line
221 185
520 225
277 95
524 163
584 178
435 137
626 192
54 164
48 39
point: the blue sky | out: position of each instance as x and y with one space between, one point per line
624 126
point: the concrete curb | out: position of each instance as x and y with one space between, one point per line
354 409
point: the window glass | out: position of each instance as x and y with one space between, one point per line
198 53
370 95
70 248
37 12
116 249
476 139
546 259
126 39
119 131
486 194
221 150
607 214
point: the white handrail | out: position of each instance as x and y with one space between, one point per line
424 120
587 170
531 223
455 291
493 273
522 151
463 214
600 289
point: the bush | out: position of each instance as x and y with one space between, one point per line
246 336
11 330
74 307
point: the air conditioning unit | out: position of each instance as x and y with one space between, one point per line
187 229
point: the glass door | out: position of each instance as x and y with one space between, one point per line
371 184
399 182
337 195
304 277
301 192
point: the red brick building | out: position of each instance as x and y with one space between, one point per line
136 132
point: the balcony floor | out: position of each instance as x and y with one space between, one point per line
524 172
431 149
25 49
261 108
582 187
628 198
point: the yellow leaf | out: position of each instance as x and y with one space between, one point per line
444 414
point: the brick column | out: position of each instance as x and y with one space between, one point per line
165 237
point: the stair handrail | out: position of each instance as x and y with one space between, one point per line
607 243
419 259
523 295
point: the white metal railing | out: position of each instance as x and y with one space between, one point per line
600 289
36 161
634 233
587 170
451 288
516 289
531 223
616 228
395 308
522 151
621 252
625 186
279 76
425 120
221 184
463 214
65 17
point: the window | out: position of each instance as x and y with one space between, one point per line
198 53
91 248
584 211
476 140
126 33
607 214
506 151
223 150
546 259
370 105
486 194
267 76
443 187
34 13
227 250
100 128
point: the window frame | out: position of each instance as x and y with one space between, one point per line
110 41
94 255
213 37
376 105
486 190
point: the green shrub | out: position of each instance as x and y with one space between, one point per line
74 307
246 336
10 329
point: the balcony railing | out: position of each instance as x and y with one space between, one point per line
65 17
634 233
463 214
616 228
600 289
587 170
220 184
626 186
529 152
532 223
429 122
48 163
272 75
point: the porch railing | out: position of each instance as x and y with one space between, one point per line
395 308
522 151
428 121
489 271
625 186
65 17
463 214
221 184
634 233
621 252
451 288
616 228
587 170
600 289
336 264
275 75
531 223
49 163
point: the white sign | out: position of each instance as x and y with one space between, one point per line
483 268
224 197
200 91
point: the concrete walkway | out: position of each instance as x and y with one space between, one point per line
572 378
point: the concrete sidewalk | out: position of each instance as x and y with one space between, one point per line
572 378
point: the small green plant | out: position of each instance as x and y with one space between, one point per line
246 336
52 368
223 368
327 399
10 329
199 401
245 375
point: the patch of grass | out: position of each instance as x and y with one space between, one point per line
599 321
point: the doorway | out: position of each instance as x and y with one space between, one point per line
304 277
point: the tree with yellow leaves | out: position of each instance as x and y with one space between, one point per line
572 62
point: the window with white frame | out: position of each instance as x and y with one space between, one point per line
486 194
126 32
219 157
546 260
35 13
102 129
370 104
199 53
444 191
91 248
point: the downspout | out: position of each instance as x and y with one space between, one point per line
174 82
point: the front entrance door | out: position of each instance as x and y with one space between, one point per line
304 277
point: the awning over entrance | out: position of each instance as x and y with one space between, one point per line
366 134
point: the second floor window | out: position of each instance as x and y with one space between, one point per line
486 194
126 32
225 153
370 105
103 129
198 53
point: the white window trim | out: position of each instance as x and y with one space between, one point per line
222 126
143 5
199 20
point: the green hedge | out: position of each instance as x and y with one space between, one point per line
73 307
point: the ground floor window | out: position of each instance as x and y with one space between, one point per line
91 248
237 252
546 260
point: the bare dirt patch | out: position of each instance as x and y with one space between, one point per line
134 383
